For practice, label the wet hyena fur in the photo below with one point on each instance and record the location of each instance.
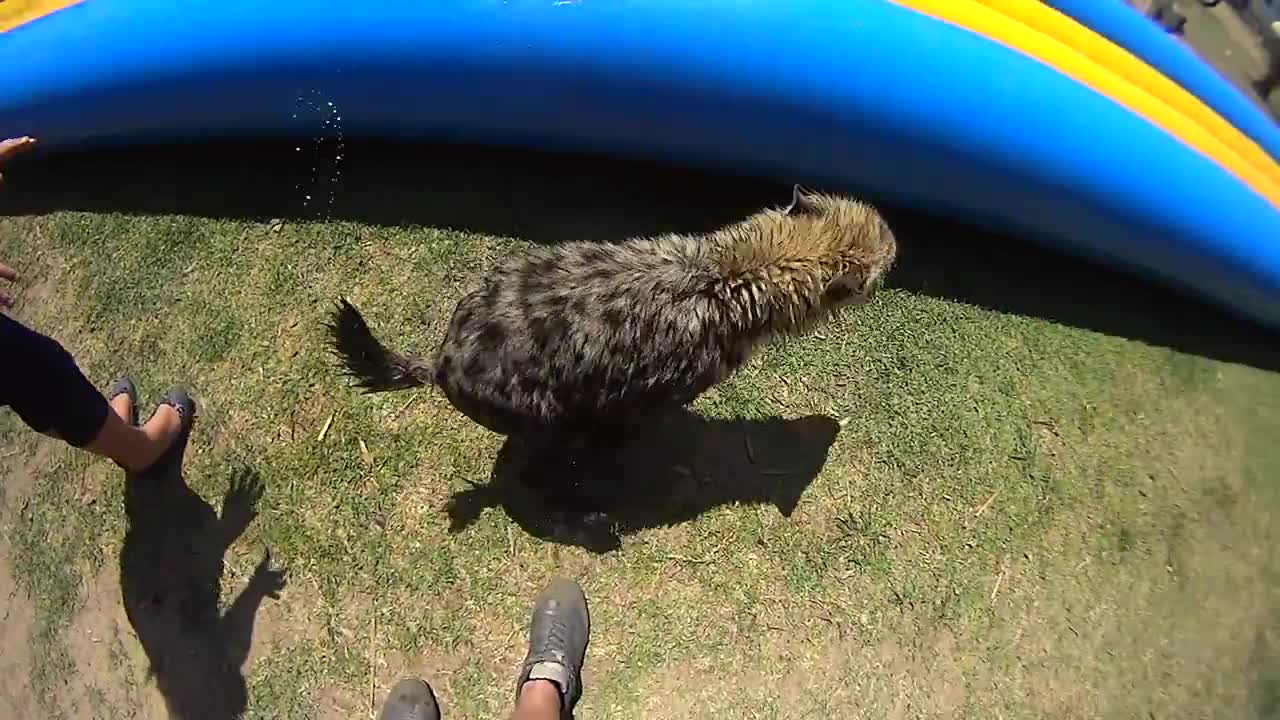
(578, 339)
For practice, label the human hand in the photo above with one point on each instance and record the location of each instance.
(6, 273)
(14, 146)
(9, 148)
(268, 578)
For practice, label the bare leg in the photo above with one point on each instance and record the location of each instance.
(550, 680)
(43, 384)
(539, 700)
(64, 403)
(135, 448)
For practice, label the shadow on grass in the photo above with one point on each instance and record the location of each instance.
(511, 193)
(668, 473)
(551, 198)
(952, 261)
(171, 569)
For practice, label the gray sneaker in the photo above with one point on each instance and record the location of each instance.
(558, 636)
(410, 699)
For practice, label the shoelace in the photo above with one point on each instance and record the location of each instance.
(557, 638)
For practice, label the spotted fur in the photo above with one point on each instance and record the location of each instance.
(586, 335)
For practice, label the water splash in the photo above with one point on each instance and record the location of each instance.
(328, 150)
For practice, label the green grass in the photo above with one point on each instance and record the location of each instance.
(1018, 517)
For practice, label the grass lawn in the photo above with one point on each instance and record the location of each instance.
(1015, 486)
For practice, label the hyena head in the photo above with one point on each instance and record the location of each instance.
(852, 242)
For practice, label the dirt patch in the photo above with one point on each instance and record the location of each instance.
(436, 667)
(111, 671)
(283, 622)
(364, 700)
(41, 281)
(20, 477)
(17, 699)
(35, 295)
(340, 703)
(112, 675)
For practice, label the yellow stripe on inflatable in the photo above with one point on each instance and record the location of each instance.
(1219, 141)
(14, 13)
(1038, 16)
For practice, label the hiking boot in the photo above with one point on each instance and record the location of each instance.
(410, 699)
(558, 636)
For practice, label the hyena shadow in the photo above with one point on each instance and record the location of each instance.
(171, 569)
(668, 472)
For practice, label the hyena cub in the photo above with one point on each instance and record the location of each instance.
(575, 340)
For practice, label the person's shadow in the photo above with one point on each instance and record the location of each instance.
(171, 570)
(666, 473)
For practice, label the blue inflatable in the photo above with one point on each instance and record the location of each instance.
(868, 96)
(1148, 41)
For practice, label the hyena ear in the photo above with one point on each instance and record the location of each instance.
(800, 203)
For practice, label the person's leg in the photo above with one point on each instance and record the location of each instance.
(41, 382)
(136, 448)
(550, 680)
(538, 700)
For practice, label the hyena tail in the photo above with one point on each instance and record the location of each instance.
(374, 367)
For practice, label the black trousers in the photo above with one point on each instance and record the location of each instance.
(40, 381)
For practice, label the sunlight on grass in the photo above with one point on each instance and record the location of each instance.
(1012, 510)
